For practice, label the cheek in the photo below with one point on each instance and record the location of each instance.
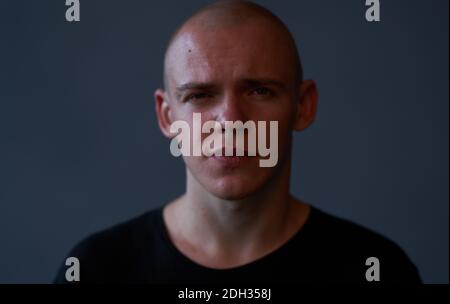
(180, 113)
(281, 108)
(185, 112)
(284, 115)
(285, 118)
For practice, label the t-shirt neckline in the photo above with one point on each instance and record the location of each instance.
(300, 234)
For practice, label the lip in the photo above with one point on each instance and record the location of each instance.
(231, 161)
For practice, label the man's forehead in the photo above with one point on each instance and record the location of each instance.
(242, 53)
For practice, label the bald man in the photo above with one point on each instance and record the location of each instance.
(237, 221)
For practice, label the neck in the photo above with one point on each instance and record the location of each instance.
(235, 221)
(245, 227)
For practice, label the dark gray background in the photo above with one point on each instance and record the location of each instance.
(81, 150)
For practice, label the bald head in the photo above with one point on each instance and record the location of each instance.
(231, 16)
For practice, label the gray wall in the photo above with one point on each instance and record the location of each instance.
(80, 149)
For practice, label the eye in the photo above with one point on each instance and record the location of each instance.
(261, 91)
(197, 96)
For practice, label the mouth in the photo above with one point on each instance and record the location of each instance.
(232, 161)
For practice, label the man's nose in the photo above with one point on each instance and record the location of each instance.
(232, 108)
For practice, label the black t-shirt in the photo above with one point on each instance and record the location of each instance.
(326, 249)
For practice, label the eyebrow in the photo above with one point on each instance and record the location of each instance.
(196, 86)
(263, 81)
(246, 81)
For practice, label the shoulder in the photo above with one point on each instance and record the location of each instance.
(346, 231)
(113, 251)
(353, 246)
(120, 236)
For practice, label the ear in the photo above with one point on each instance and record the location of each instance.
(163, 112)
(307, 107)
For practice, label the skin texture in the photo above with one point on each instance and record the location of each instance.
(232, 61)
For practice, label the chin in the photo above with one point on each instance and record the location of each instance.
(234, 187)
(230, 183)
